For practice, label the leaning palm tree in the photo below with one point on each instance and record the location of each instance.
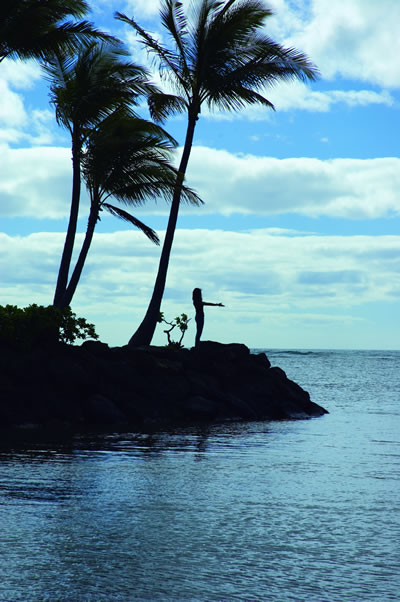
(40, 28)
(86, 89)
(220, 57)
(127, 158)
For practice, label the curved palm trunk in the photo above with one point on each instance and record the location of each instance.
(76, 274)
(63, 271)
(145, 332)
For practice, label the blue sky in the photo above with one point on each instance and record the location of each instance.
(299, 235)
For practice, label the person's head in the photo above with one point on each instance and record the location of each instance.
(196, 295)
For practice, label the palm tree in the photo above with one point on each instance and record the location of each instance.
(86, 89)
(126, 158)
(220, 57)
(39, 28)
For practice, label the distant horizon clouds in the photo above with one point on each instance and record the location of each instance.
(258, 275)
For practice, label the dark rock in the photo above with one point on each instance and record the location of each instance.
(95, 385)
(201, 408)
(262, 360)
(214, 350)
(100, 410)
(96, 348)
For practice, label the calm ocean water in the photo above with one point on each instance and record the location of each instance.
(292, 510)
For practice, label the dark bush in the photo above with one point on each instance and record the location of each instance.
(37, 325)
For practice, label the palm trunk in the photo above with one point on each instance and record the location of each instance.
(76, 274)
(63, 271)
(145, 332)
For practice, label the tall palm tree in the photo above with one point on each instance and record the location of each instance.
(40, 28)
(220, 57)
(126, 158)
(86, 89)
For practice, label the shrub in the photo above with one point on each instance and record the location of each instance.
(38, 325)
(181, 322)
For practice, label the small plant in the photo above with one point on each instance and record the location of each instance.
(181, 322)
(37, 325)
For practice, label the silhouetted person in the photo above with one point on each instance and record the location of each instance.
(199, 317)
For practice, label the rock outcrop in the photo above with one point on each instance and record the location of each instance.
(93, 385)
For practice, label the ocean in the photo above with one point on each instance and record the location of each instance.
(304, 510)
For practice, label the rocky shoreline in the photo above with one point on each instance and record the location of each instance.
(94, 385)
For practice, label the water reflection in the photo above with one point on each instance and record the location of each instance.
(304, 511)
(40, 446)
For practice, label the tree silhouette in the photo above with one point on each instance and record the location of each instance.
(220, 56)
(85, 89)
(126, 158)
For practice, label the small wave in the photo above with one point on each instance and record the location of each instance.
(283, 352)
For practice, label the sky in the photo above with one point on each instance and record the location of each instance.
(299, 234)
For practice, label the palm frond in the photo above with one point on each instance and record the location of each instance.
(224, 8)
(127, 217)
(240, 62)
(174, 20)
(71, 36)
(129, 158)
(238, 98)
(88, 87)
(199, 52)
(167, 59)
(32, 29)
(162, 105)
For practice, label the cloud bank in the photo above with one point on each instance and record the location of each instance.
(36, 182)
(311, 284)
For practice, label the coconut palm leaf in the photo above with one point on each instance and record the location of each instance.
(127, 217)
(174, 20)
(88, 87)
(41, 29)
(129, 158)
(162, 105)
(168, 60)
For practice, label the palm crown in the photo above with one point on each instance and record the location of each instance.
(220, 56)
(129, 158)
(86, 88)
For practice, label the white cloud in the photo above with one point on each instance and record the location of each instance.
(277, 286)
(142, 8)
(36, 182)
(361, 98)
(12, 111)
(21, 75)
(15, 75)
(296, 95)
(356, 39)
(352, 188)
(19, 120)
(42, 121)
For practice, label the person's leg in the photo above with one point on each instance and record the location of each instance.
(199, 327)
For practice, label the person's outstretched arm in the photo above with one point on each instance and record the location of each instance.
(214, 304)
